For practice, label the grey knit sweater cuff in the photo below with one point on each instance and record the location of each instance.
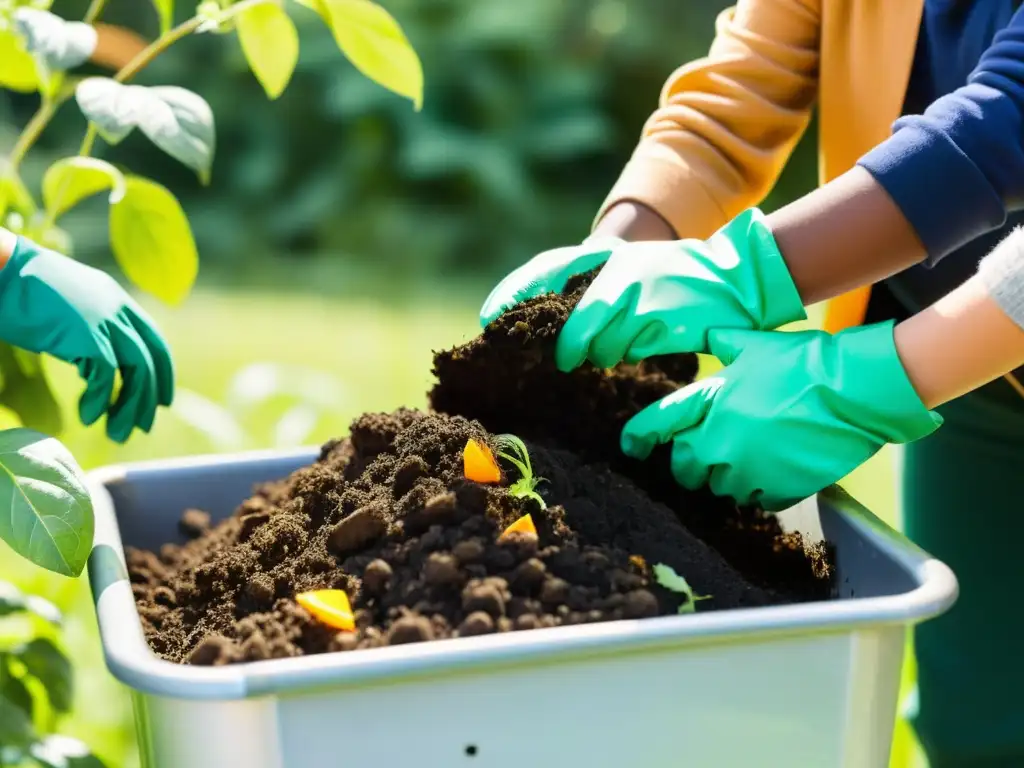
(1002, 272)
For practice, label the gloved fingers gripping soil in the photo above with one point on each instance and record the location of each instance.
(506, 379)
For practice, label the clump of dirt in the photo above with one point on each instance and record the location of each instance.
(506, 378)
(387, 515)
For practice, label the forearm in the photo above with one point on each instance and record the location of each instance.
(843, 235)
(962, 342)
(725, 124)
(942, 179)
(634, 222)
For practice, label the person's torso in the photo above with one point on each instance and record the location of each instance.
(953, 36)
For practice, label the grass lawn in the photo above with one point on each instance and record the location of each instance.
(375, 356)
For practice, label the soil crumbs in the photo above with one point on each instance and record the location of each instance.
(387, 515)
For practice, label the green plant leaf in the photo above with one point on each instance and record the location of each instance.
(270, 43)
(14, 195)
(69, 181)
(113, 107)
(14, 689)
(63, 752)
(13, 600)
(667, 577)
(374, 42)
(44, 661)
(152, 240)
(58, 43)
(181, 124)
(25, 390)
(15, 726)
(17, 67)
(177, 120)
(165, 10)
(45, 510)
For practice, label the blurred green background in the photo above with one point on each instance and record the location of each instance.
(345, 236)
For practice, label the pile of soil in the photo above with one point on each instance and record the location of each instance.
(387, 515)
(506, 378)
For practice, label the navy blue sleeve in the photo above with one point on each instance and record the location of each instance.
(958, 169)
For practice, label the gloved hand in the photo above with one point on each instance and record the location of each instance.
(662, 298)
(50, 303)
(790, 414)
(547, 272)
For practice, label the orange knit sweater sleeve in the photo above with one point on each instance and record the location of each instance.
(726, 124)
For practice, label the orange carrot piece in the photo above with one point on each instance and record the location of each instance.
(638, 561)
(329, 606)
(523, 525)
(478, 463)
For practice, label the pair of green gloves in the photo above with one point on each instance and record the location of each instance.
(788, 415)
(50, 303)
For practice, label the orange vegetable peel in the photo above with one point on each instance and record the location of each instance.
(478, 463)
(523, 525)
(329, 606)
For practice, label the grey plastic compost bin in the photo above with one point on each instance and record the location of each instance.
(796, 686)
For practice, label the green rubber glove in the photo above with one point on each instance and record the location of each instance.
(547, 272)
(662, 298)
(790, 414)
(50, 303)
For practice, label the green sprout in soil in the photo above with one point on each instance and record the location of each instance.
(673, 582)
(513, 450)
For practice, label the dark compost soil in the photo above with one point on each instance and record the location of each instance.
(387, 515)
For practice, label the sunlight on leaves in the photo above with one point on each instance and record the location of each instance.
(60, 44)
(165, 10)
(374, 42)
(152, 240)
(177, 120)
(270, 43)
(69, 181)
(47, 514)
(17, 67)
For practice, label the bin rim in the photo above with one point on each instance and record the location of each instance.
(131, 660)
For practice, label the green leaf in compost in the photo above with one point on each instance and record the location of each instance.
(15, 726)
(69, 181)
(374, 42)
(60, 44)
(177, 120)
(63, 752)
(673, 582)
(270, 43)
(165, 10)
(45, 510)
(152, 240)
(25, 390)
(45, 662)
(17, 67)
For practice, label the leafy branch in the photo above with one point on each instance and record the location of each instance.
(178, 121)
(36, 687)
(150, 235)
